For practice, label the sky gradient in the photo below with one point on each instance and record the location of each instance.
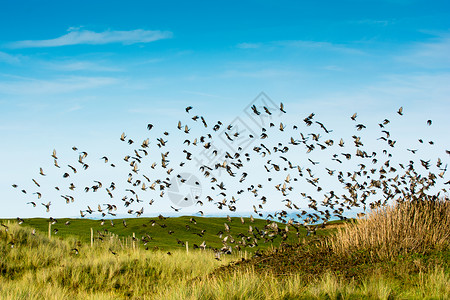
(81, 73)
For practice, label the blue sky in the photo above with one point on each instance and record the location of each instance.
(78, 73)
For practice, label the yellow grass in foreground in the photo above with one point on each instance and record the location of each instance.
(406, 227)
(39, 268)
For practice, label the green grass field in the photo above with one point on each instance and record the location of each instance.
(158, 230)
(401, 252)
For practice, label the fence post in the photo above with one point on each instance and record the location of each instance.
(92, 237)
(134, 243)
(49, 230)
(187, 247)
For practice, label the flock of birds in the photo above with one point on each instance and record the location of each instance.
(375, 179)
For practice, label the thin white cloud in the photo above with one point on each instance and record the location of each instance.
(260, 73)
(8, 58)
(74, 108)
(301, 44)
(318, 45)
(87, 37)
(332, 68)
(32, 86)
(202, 94)
(174, 112)
(372, 22)
(432, 54)
(81, 66)
(249, 45)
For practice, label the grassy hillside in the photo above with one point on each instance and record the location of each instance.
(400, 252)
(159, 229)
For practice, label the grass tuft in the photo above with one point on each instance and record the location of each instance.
(406, 227)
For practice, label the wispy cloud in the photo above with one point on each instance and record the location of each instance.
(332, 68)
(432, 54)
(318, 45)
(74, 108)
(204, 94)
(416, 87)
(173, 112)
(81, 66)
(249, 45)
(260, 73)
(301, 44)
(87, 37)
(8, 58)
(32, 86)
(372, 22)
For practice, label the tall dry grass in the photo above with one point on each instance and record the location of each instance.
(253, 285)
(40, 268)
(35, 267)
(406, 227)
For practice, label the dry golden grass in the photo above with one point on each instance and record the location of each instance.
(35, 267)
(405, 227)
